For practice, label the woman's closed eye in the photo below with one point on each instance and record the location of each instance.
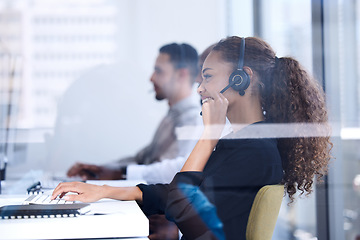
(206, 77)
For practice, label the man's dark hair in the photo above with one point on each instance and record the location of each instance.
(182, 56)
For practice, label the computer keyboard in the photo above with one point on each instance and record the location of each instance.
(49, 184)
(45, 199)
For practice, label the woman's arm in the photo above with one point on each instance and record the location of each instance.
(201, 153)
(214, 118)
(92, 193)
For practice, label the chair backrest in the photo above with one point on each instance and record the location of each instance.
(264, 212)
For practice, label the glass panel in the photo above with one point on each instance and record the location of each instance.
(349, 107)
(287, 26)
(342, 83)
(240, 18)
(77, 75)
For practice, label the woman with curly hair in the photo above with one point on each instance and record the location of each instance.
(246, 82)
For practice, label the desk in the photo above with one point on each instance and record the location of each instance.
(121, 219)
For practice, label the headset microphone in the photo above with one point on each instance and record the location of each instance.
(228, 86)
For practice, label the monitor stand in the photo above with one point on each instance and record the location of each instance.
(3, 163)
(2, 174)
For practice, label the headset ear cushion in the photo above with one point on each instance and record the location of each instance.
(242, 80)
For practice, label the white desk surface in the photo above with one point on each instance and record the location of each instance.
(120, 219)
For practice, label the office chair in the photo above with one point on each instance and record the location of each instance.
(264, 212)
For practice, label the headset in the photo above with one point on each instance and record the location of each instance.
(239, 80)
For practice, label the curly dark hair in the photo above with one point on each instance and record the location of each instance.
(289, 95)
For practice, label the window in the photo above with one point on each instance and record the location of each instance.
(287, 26)
(341, 32)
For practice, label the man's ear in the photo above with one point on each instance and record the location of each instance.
(183, 73)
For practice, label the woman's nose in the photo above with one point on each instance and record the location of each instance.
(200, 89)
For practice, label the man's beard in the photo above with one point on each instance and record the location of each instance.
(159, 97)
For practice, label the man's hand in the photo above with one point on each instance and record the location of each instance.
(94, 172)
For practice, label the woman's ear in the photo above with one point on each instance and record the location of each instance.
(248, 71)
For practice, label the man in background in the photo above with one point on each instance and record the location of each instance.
(175, 71)
(160, 228)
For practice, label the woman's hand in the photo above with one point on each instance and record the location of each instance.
(92, 193)
(214, 111)
(85, 192)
